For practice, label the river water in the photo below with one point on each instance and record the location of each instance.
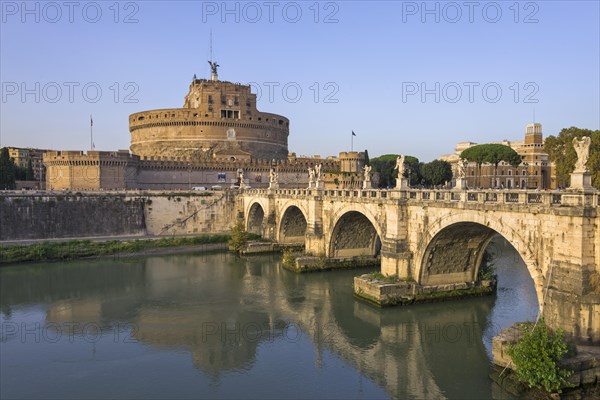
(220, 326)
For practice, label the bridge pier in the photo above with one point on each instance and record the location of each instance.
(315, 244)
(396, 259)
(315, 238)
(571, 303)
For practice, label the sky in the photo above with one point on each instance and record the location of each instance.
(407, 77)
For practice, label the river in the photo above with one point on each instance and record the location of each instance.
(221, 326)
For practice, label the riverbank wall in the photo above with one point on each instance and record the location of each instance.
(45, 215)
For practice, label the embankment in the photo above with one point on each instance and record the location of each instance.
(46, 215)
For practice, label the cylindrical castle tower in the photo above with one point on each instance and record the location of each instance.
(218, 120)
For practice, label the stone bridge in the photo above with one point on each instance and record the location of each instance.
(437, 237)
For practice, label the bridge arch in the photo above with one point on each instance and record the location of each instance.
(255, 220)
(292, 225)
(354, 232)
(451, 250)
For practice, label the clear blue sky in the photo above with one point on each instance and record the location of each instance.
(374, 58)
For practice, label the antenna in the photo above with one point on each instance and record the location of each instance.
(213, 65)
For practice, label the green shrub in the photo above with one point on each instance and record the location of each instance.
(289, 258)
(486, 269)
(536, 356)
(239, 237)
(86, 248)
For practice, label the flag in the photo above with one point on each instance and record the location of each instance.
(93, 145)
(353, 134)
(91, 121)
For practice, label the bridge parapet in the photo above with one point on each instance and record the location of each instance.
(552, 199)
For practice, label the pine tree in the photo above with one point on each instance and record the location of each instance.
(7, 170)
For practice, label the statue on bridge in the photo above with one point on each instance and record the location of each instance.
(582, 148)
(241, 179)
(311, 177)
(461, 168)
(401, 181)
(273, 179)
(367, 177)
(400, 166)
(318, 168)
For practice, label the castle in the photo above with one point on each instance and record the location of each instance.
(217, 135)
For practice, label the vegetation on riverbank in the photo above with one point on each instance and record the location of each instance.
(68, 250)
(536, 357)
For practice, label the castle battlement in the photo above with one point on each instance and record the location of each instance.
(218, 119)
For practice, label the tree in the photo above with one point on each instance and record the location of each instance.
(239, 237)
(29, 176)
(536, 356)
(7, 170)
(560, 151)
(436, 172)
(491, 154)
(385, 165)
(412, 171)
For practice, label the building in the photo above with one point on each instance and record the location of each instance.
(534, 172)
(22, 156)
(219, 120)
(216, 136)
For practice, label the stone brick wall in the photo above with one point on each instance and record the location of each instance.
(88, 214)
(69, 215)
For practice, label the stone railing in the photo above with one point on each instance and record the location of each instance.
(450, 196)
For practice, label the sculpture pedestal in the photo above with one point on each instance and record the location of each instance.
(320, 184)
(367, 185)
(581, 181)
(402, 183)
(273, 185)
(461, 184)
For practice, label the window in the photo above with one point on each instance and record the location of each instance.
(210, 100)
(230, 114)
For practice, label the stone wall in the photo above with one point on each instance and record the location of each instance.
(78, 215)
(69, 215)
(177, 213)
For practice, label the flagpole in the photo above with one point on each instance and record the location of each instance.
(352, 141)
(91, 133)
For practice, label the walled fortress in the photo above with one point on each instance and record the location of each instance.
(216, 135)
(219, 120)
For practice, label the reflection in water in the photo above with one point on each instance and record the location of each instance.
(127, 328)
